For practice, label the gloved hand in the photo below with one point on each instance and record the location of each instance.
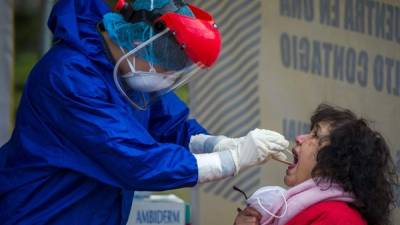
(230, 155)
(203, 143)
(256, 147)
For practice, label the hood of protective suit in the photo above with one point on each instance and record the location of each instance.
(74, 23)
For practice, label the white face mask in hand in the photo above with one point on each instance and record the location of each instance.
(267, 200)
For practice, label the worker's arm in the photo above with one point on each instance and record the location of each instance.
(101, 138)
(170, 123)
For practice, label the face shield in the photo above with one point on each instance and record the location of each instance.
(179, 47)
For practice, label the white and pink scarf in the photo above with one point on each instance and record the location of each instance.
(284, 205)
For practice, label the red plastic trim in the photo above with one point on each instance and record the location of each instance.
(120, 4)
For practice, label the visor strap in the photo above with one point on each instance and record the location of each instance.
(135, 16)
(151, 5)
(132, 67)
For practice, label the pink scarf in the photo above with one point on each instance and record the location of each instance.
(301, 197)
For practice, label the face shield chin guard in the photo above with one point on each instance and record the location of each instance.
(182, 47)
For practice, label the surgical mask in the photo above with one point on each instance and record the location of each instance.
(149, 81)
(133, 73)
(269, 199)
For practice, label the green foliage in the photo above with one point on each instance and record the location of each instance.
(183, 93)
(26, 26)
(27, 35)
(24, 62)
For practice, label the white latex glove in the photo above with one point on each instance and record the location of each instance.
(203, 143)
(256, 147)
(231, 155)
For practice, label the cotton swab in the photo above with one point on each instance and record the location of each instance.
(282, 161)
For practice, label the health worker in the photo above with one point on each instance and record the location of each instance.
(98, 118)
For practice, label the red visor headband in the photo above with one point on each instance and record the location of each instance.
(198, 36)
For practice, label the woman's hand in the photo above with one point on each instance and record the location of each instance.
(248, 216)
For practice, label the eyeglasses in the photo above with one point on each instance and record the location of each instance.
(242, 192)
(239, 190)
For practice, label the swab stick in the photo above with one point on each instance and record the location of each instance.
(282, 161)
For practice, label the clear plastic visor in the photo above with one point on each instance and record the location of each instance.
(152, 69)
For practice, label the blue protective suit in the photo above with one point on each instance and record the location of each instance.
(79, 149)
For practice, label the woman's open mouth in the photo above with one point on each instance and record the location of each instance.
(295, 160)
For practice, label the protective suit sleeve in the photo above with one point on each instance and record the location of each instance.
(169, 121)
(203, 143)
(215, 166)
(100, 139)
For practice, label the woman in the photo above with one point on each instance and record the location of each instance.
(342, 174)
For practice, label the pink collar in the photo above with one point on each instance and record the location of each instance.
(303, 196)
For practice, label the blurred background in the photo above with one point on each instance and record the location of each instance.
(28, 17)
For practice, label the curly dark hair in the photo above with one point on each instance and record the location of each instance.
(358, 158)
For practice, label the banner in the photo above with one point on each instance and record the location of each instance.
(6, 67)
(280, 59)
